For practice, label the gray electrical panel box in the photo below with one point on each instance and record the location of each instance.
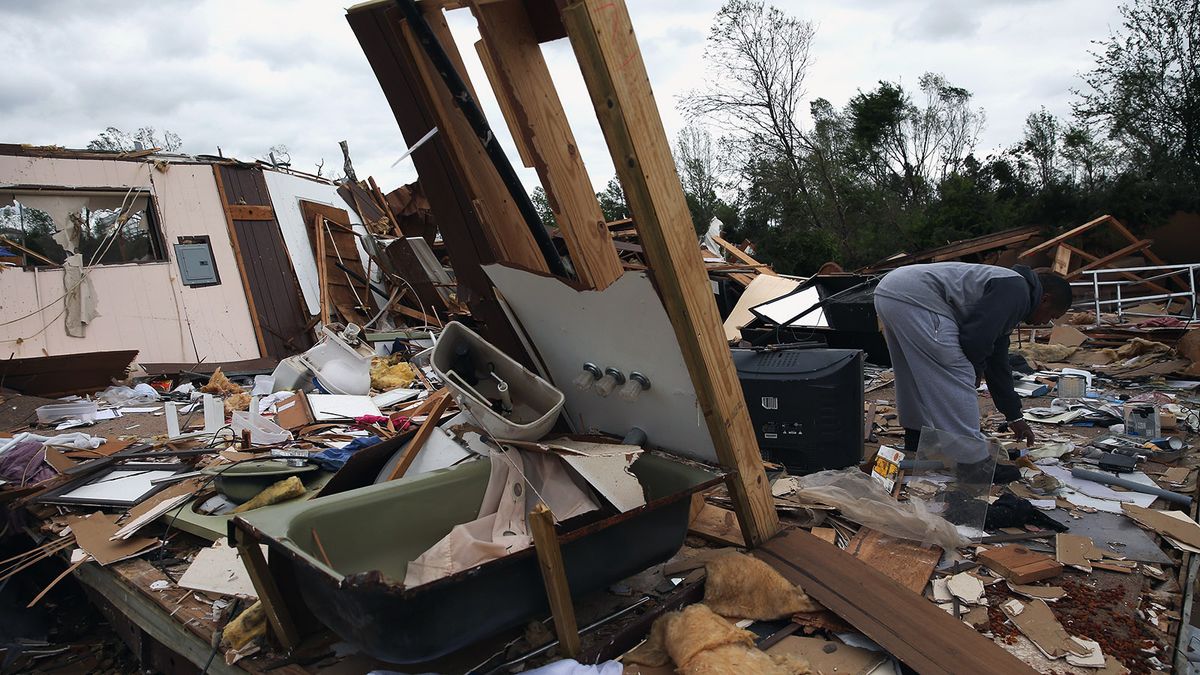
(196, 264)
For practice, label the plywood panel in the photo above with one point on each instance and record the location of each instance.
(274, 292)
(286, 193)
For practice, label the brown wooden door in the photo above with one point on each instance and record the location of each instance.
(277, 309)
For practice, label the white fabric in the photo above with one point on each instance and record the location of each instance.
(75, 441)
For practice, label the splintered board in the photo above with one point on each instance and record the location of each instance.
(919, 633)
(907, 562)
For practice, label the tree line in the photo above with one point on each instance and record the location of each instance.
(895, 169)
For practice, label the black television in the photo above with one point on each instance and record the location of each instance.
(806, 404)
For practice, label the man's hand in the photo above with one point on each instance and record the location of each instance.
(1021, 430)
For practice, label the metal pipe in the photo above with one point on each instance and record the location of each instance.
(470, 110)
(1108, 479)
(1145, 268)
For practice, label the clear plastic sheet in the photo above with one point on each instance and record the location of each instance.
(860, 499)
(965, 465)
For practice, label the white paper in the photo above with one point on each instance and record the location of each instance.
(119, 485)
(337, 406)
(149, 409)
(1083, 492)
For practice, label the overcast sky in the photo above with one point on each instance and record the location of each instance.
(248, 74)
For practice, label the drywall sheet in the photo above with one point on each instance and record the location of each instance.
(623, 327)
(286, 192)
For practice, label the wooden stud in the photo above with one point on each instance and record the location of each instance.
(602, 36)
(437, 405)
(742, 256)
(554, 577)
(322, 265)
(1127, 275)
(278, 614)
(1111, 257)
(523, 80)
(507, 231)
(241, 264)
(508, 107)
(250, 212)
(1069, 234)
(1062, 260)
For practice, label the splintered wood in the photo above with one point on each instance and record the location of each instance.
(907, 562)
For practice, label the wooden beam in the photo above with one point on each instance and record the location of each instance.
(278, 615)
(554, 577)
(322, 267)
(1127, 275)
(507, 105)
(436, 408)
(241, 264)
(504, 226)
(742, 256)
(1062, 260)
(1111, 257)
(1069, 234)
(250, 212)
(443, 180)
(538, 116)
(919, 633)
(602, 36)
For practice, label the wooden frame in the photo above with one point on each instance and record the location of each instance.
(602, 37)
(1065, 252)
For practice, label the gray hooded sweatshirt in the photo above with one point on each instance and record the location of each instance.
(987, 302)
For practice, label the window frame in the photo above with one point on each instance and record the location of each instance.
(154, 229)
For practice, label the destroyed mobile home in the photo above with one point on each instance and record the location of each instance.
(343, 430)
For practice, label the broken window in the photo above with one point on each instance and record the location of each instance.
(106, 227)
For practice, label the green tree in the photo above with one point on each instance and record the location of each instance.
(699, 173)
(1144, 89)
(542, 203)
(612, 201)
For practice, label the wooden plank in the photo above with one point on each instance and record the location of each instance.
(919, 633)
(1126, 275)
(318, 227)
(524, 80)
(1069, 234)
(554, 577)
(241, 263)
(250, 212)
(602, 37)
(1111, 257)
(269, 595)
(337, 245)
(1062, 260)
(717, 524)
(907, 562)
(506, 229)
(742, 256)
(435, 410)
(508, 107)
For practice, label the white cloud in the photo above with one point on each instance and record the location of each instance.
(248, 75)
